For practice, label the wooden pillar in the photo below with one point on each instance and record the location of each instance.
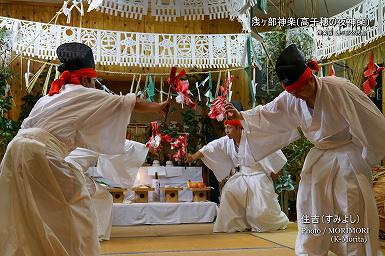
(383, 101)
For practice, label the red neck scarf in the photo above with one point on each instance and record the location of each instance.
(68, 77)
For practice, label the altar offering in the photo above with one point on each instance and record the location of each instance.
(141, 193)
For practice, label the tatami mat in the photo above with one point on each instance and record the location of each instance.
(243, 252)
(192, 239)
(197, 239)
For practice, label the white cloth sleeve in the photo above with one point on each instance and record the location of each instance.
(82, 159)
(123, 168)
(217, 159)
(273, 163)
(270, 127)
(367, 123)
(104, 130)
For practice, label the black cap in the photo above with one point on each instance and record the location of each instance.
(74, 56)
(237, 105)
(290, 65)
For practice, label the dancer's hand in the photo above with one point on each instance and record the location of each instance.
(188, 158)
(229, 107)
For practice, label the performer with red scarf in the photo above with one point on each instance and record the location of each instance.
(336, 209)
(248, 199)
(46, 208)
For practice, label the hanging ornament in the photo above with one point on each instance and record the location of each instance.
(217, 109)
(331, 70)
(181, 145)
(27, 74)
(156, 139)
(132, 84)
(218, 84)
(46, 82)
(371, 74)
(150, 90)
(94, 4)
(161, 89)
(67, 10)
(180, 87)
(138, 85)
(32, 83)
(209, 94)
(285, 182)
(229, 81)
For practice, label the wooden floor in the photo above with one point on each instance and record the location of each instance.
(197, 239)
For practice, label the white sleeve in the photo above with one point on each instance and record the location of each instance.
(103, 128)
(123, 168)
(217, 159)
(271, 127)
(273, 163)
(82, 158)
(366, 122)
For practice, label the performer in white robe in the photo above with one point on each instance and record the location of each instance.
(46, 208)
(248, 199)
(348, 133)
(120, 169)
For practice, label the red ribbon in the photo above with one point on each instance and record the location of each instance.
(68, 77)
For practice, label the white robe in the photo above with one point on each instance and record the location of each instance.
(348, 133)
(46, 207)
(248, 199)
(121, 169)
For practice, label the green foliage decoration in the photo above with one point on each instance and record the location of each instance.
(8, 127)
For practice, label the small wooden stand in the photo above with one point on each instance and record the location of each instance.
(117, 194)
(172, 194)
(199, 194)
(141, 194)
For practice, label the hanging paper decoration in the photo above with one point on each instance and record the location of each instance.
(199, 50)
(150, 89)
(209, 94)
(138, 85)
(27, 74)
(248, 70)
(229, 80)
(181, 145)
(261, 5)
(180, 87)
(170, 10)
(217, 110)
(371, 74)
(285, 182)
(67, 10)
(94, 4)
(161, 89)
(46, 82)
(218, 84)
(331, 70)
(32, 83)
(132, 84)
(155, 141)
